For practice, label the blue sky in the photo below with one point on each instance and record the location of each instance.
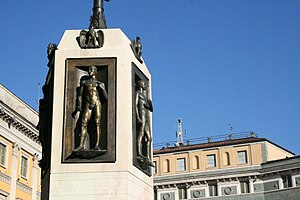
(213, 62)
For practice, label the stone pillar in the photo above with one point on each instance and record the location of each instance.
(294, 184)
(35, 171)
(251, 187)
(206, 189)
(219, 188)
(238, 187)
(280, 182)
(112, 175)
(14, 170)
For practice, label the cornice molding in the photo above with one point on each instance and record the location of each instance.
(14, 120)
(5, 178)
(24, 187)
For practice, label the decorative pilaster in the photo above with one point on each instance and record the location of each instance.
(280, 181)
(251, 187)
(35, 171)
(14, 164)
(219, 188)
(206, 189)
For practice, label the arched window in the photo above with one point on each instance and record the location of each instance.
(226, 159)
(166, 166)
(195, 162)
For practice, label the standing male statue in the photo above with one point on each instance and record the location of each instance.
(143, 105)
(88, 103)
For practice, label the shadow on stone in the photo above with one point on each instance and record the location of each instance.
(86, 154)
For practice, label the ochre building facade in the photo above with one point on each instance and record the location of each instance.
(228, 169)
(20, 149)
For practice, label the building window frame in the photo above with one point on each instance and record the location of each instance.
(181, 164)
(3, 195)
(182, 192)
(166, 166)
(4, 146)
(226, 159)
(213, 189)
(196, 162)
(287, 180)
(245, 186)
(242, 157)
(26, 170)
(211, 161)
(155, 167)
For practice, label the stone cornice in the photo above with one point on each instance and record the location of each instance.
(24, 187)
(15, 120)
(4, 178)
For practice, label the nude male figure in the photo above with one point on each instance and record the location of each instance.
(93, 89)
(143, 105)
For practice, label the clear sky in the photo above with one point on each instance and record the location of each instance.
(213, 62)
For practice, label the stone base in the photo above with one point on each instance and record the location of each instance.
(95, 186)
(86, 154)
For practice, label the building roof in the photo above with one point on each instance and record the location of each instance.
(213, 144)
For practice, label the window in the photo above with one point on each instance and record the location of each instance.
(182, 193)
(196, 162)
(3, 152)
(244, 186)
(166, 166)
(213, 189)
(211, 161)
(24, 166)
(181, 164)
(287, 181)
(155, 194)
(155, 167)
(3, 197)
(242, 157)
(226, 159)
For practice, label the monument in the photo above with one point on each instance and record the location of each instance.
(95, 116)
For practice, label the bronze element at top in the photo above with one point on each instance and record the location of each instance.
(98, 18)
(136, 47)
(92, 39)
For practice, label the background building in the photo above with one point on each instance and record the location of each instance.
(232, 167)
(20, 149)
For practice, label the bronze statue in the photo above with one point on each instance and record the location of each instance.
(91, 38)
(90, 105)
(143, 105)
(45, 112)
(136, 47)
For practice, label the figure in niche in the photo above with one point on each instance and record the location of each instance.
(143, 105)
(90, 97)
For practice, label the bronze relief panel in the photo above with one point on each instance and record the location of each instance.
(141, 121)
(90, 111)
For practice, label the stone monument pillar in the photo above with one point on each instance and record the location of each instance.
(95, 118)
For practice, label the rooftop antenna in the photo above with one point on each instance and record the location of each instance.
(179, 133)
(230, 128)
(230, 131)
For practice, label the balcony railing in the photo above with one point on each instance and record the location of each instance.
(202, 140)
